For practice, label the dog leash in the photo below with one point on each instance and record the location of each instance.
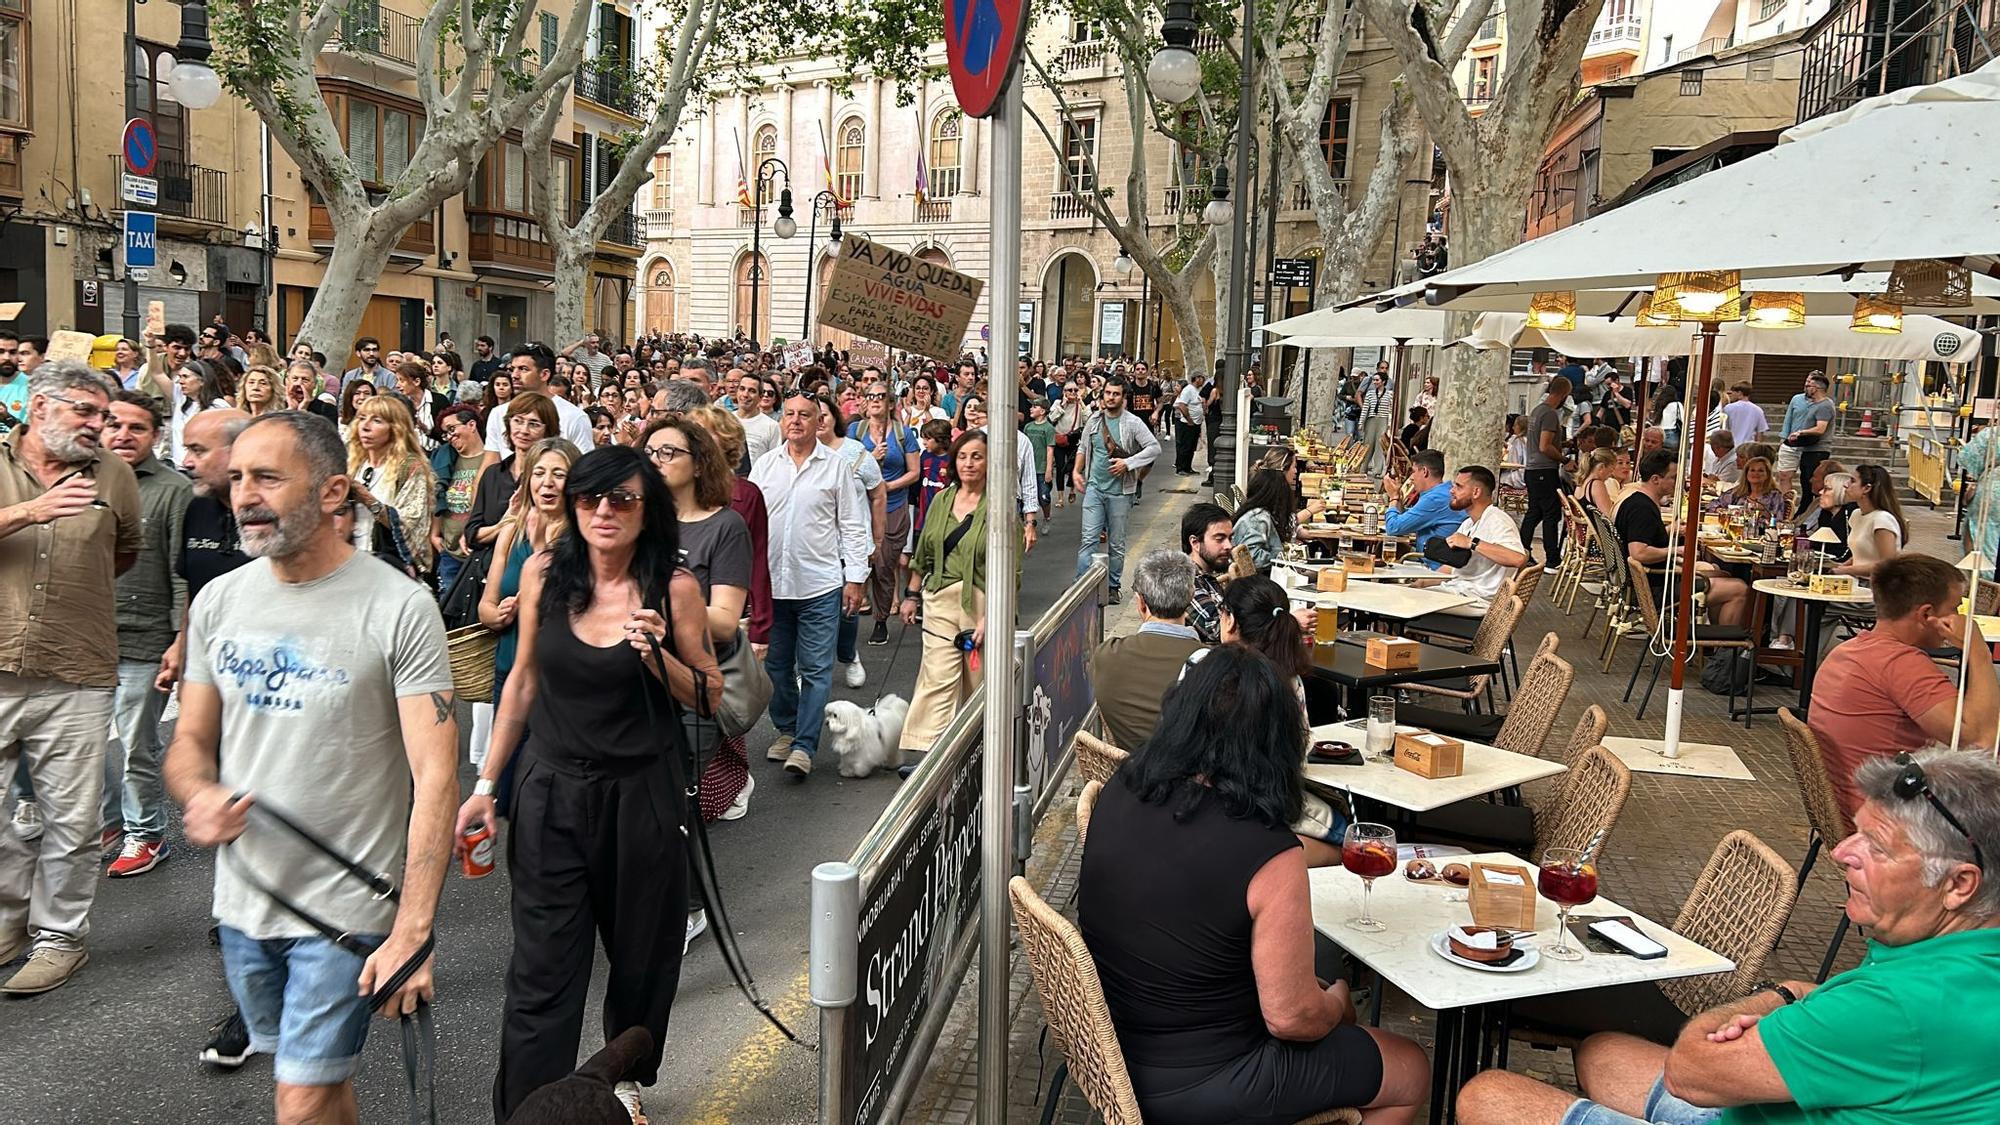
(419, 1036)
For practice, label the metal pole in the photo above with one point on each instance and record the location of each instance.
(131, 317)
(833, 974)
(1695, 436)
(1003, 523)
(812, 251)
(756, 254)
(1234, 465)
(1272, 312)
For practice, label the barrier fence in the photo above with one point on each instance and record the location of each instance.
(895, 926)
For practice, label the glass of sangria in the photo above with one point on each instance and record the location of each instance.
(1567, 881)
(1368, 850)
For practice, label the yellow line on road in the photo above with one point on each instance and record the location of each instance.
(757, 1057)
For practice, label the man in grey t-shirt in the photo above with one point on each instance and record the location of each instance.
(318, 677)
(1544, 472)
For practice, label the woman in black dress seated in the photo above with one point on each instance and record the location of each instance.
(1195, 905)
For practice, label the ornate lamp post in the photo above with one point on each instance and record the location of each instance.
(830, 203)
(768, 171)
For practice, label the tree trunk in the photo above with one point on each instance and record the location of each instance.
(1179, 299)
(1472, 406)
(572, 282)
(360, 251)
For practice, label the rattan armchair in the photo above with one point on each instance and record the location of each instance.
(1829, 825)
(1531, 714)
(1738, 908)
(1072, 999)
(1096, 759)
(1086, 803)
(1488, 643)
(1592, 795)
(1702, 638)
(1589, 732)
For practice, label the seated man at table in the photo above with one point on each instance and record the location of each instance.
(1880, 692)
(1206, 531)
(1907, 1037)
(1430, 514)
(1643, 530)
(1723, 462)
(1195, 903)
(1494, 542)
(1131, 673)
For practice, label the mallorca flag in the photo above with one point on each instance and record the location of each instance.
(742, 184)
(826, 163)
(923, 171)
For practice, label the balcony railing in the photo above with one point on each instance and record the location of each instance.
(659, 222)
(1208, 43)
(382, 32)
(1705, 47)
(188, 191)
(1615, 30)
(746, 216)
(1186, 199)
(1069, 205)
(623, 230)
(1478, 98)
(612, 89)
(933, 211)
(1300, 197)
(1079, 56)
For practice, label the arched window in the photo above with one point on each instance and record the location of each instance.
(850, 153)
(766, 143)
(945, 163)
(759, 293)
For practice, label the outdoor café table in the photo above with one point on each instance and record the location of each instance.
(1472, 1005)
(1390, 572)
(1345, 664)
(1382, 599)
(1488, 769)
(1815, 614)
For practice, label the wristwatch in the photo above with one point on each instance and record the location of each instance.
(484, 787)
(1785, 994)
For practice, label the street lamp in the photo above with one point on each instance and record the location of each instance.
(1122, 263)
(830, 203)
(192, 82)
(768, 171)
(1217, 211)
(1175, 72)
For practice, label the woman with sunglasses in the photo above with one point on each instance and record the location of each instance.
(1066, 419)
(613, 643)
(895, 449)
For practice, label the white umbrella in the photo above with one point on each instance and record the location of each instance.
(1825, 295)
(1364, 326)
(1922, 338)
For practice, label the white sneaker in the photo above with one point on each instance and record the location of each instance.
(697, 925)
(27, 821)
(740, 807)
(857, 676)
(628, 1096)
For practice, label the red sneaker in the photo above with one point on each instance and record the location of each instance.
(138, 857)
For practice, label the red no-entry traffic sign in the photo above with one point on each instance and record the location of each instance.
(983, 41)
(141, 147)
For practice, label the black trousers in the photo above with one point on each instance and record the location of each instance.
(1187, 435)
(596, 853)
(1545, 508)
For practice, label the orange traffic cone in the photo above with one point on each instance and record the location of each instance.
(1867, 424)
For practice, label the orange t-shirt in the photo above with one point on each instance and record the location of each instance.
(1865, 698)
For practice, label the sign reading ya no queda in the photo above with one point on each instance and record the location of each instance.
(899, 299)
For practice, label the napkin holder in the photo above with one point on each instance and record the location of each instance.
(1837, 585)
(1359, 562)
(1501, 895)
(1393, 653)
(1431, 755)
(1332, 580)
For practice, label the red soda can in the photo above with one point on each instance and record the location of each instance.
(478, 861)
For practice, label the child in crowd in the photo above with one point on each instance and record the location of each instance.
(1042, 434)
(936, 458)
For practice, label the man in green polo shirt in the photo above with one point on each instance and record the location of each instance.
(1908, 1036)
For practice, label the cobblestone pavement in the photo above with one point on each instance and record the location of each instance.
(1665, 834)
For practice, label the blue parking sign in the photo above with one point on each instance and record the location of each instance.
(142, 232)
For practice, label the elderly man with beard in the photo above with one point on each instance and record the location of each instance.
(69, 525)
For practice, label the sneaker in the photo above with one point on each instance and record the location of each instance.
(27, 821)
(1114, 595)
(697, 925)
(857, 676)
(48, 968)
(1549, 570)
(780, 746)
(881, 634)
(799, 762)
(110, 843)
(1782, 644)
(740, 807)
(138, 857)
(228, 1042)
(628, 1096)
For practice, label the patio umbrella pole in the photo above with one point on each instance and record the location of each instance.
(1694, 434)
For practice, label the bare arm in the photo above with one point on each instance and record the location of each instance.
(1887, 544)
(430, 741)
(1720, 1060)
(690, 650)
(1295, 1007)
(725, 611)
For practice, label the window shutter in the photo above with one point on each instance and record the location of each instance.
(361, 148)
(551, 36)
(395, 145)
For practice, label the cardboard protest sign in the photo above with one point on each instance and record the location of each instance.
(899, 299)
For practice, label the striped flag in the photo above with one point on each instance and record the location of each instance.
(742, 183)
(826, 164)
(923, 170)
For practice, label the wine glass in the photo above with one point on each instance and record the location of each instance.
(1368, 850)
(1567, 881)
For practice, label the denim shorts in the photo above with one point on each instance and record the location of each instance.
(1662, 1108)
(298, 999)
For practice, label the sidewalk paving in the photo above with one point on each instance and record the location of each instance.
(1668, 828)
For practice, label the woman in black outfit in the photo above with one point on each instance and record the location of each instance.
(596, 850)
(1194, 902)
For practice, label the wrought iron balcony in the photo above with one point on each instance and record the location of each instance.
(382, 32)
(188, 191)
(611, 88)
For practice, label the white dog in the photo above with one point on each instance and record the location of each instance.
(866, 740)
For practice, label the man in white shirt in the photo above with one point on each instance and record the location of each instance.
(760, 429)
(1492, 537)
(821, 538)
(1744, 419)
(1187, 424)
(530, 366)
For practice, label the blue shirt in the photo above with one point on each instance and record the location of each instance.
(903, 440)
(1795, 414)
(1431, 516)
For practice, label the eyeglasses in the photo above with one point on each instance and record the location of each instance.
(621, 500)
(877, 396)
(667, 454)
(1911, 783)
(88, 411)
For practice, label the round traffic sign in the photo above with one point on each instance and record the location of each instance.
(141, 147)
(983, 41)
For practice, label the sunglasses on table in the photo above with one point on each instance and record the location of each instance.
(1911, 783)
(622, 500)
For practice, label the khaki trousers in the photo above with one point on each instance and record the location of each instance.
(943, 681)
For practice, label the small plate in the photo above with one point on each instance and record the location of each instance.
(1530, 957)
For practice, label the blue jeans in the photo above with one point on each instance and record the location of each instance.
(844, 650)
(800, 664)
(448, 567)
(298, 1001)
(133, 793)
(1662, 1108)
(1104, 512)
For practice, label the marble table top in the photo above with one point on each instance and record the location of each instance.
(1384, 599)
(1414, 911)
(1488, 769)
(1862, 595)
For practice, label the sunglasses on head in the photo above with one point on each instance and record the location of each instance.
(1911, 783)
(622, 500)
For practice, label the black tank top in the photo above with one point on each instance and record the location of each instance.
(590, 703)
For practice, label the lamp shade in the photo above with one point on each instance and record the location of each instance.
(1709, 296)
(1824, 535)
(1876, 315)
(1930, 282)
(1777, 310)
(1553, 312)
(1174, 74)
(1651, 317)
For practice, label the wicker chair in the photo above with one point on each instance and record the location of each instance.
(1072, 999)
(1589, 732)
(1086, 803)
(1495, 630)
(1096, 759)
(1582, 561)
(1738, 908)
(1531, 714)
(1615, 600)
(1593, 793)
(1703, 638)
(1828, 824)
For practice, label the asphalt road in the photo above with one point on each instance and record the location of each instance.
(118, 1043)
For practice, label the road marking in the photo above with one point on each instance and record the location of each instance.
(756, 1058)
